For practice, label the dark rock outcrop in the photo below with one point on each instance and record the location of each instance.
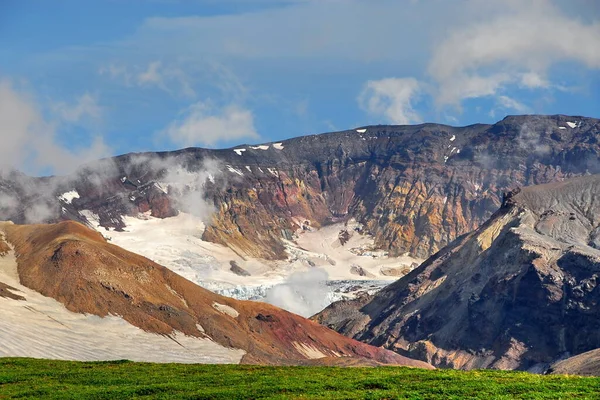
(236, 269)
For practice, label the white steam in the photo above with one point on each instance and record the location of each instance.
(187, 186)
(304, 293)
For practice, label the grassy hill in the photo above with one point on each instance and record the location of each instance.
(29, 378)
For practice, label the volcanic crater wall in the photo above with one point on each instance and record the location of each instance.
(415, 188)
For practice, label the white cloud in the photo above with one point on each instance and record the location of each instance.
(86, 105)
(170, 78)
(516, 46)
(115, 71)
(29, 142)
(512, 104)
(533, 80)
(506, 103)
(151, 75)
(391, 98)
(303, 29)
(204, 125)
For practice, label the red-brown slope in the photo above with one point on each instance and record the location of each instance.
(76, 266)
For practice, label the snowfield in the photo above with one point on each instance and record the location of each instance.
(317, 272)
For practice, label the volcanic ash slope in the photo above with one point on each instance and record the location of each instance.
(519, 292)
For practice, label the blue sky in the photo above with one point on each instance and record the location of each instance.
(86, 79)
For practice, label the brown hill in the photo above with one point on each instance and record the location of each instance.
(518, 293)
(77, 267)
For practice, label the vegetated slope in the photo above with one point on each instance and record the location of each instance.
(124, 380)
(76, 266)
(519, 292)
(415, 188)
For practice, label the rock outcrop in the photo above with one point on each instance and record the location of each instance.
(77, 267)
(415, 188)
(520, 292)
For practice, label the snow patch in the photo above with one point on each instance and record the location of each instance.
(453, 138)
(361, 130)
(235, 170)
(278, 146)
(248, 168)
(68, 197)
(273, 171)
(93, 218)
(261, 147)
(308, 351)
(572, 124)
(457, 151)
(562, 127)
(445, 158)
(123, 179)
(239, 151)
(227, 310)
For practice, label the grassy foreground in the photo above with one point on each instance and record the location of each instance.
(28, 378)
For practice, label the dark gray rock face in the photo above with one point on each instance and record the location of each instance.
(415, 188)
(519, 292)
(236, 269)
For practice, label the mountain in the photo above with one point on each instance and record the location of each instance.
(66, 293)
(519, 292)
(409, 190)
(586, 364)
(414, 187)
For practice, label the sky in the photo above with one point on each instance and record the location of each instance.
(81, 80)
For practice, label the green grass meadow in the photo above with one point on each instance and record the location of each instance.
(35, 379)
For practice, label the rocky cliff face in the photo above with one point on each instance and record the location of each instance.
(519, 292)
(415, 188)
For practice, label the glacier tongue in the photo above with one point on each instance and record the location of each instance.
(297, 297)
(320, 268)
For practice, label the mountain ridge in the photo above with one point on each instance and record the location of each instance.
(519, 292)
